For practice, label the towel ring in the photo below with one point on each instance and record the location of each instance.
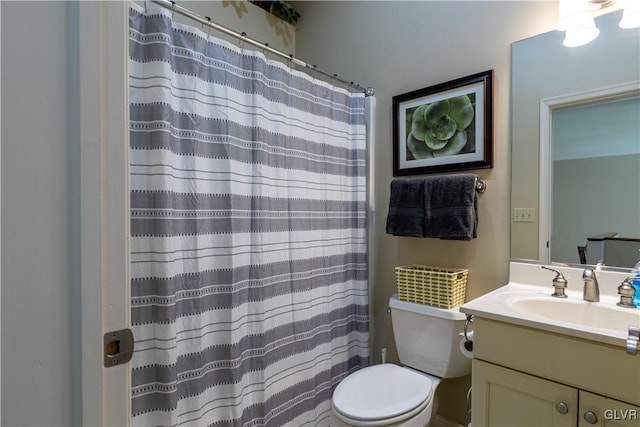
(481, 185)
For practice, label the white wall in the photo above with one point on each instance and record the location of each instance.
(397, 47)
(586, 204)
(41, 384)
(600, 129)
(37, 369)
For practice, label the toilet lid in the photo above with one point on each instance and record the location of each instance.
(381, 391)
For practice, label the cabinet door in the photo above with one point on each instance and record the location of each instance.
(596, 410)
(503, 397)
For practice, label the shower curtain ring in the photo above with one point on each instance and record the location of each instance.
(173, 8)
(208, 27)
(243, 36)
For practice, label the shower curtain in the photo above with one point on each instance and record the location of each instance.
(248, 233)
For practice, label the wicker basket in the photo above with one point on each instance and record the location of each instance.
(435, 286)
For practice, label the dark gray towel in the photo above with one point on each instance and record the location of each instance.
(406, 208)
(451, 207)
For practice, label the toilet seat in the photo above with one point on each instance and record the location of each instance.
(381, 395)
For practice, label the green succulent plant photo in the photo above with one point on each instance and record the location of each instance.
(441, 128)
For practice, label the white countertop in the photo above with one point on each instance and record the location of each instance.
(528, 281)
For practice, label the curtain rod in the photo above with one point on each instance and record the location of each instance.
(169, 4)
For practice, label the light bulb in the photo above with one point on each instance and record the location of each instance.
(576, 19)
(631, 14)
(580, 36)
(564, 11)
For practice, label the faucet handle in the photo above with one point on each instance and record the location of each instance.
(559, 283)
(626, 292)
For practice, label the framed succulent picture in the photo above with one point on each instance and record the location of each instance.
(446, 127)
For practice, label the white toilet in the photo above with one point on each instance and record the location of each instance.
(427, 339)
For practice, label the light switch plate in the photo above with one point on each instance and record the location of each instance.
(524, 215)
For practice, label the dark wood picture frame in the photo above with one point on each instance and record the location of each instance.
(446, 127)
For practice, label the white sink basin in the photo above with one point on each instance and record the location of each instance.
(526, 301)
(589, 314)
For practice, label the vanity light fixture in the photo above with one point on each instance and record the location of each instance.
(575, 17)
(631, 14)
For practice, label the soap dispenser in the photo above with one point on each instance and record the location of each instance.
(636, 284)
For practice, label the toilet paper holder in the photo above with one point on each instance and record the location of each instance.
(468, 342)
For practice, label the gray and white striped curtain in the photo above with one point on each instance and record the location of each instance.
(248, 233)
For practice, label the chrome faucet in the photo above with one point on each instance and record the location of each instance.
(591, 290)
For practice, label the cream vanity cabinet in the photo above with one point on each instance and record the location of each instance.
(525, 376)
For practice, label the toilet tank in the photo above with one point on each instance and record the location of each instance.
(428, 338)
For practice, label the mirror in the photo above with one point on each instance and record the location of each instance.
(547, 79)
(594, 167)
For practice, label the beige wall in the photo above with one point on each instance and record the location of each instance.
(397, 47)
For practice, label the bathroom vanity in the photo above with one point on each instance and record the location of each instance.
(544, 361)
